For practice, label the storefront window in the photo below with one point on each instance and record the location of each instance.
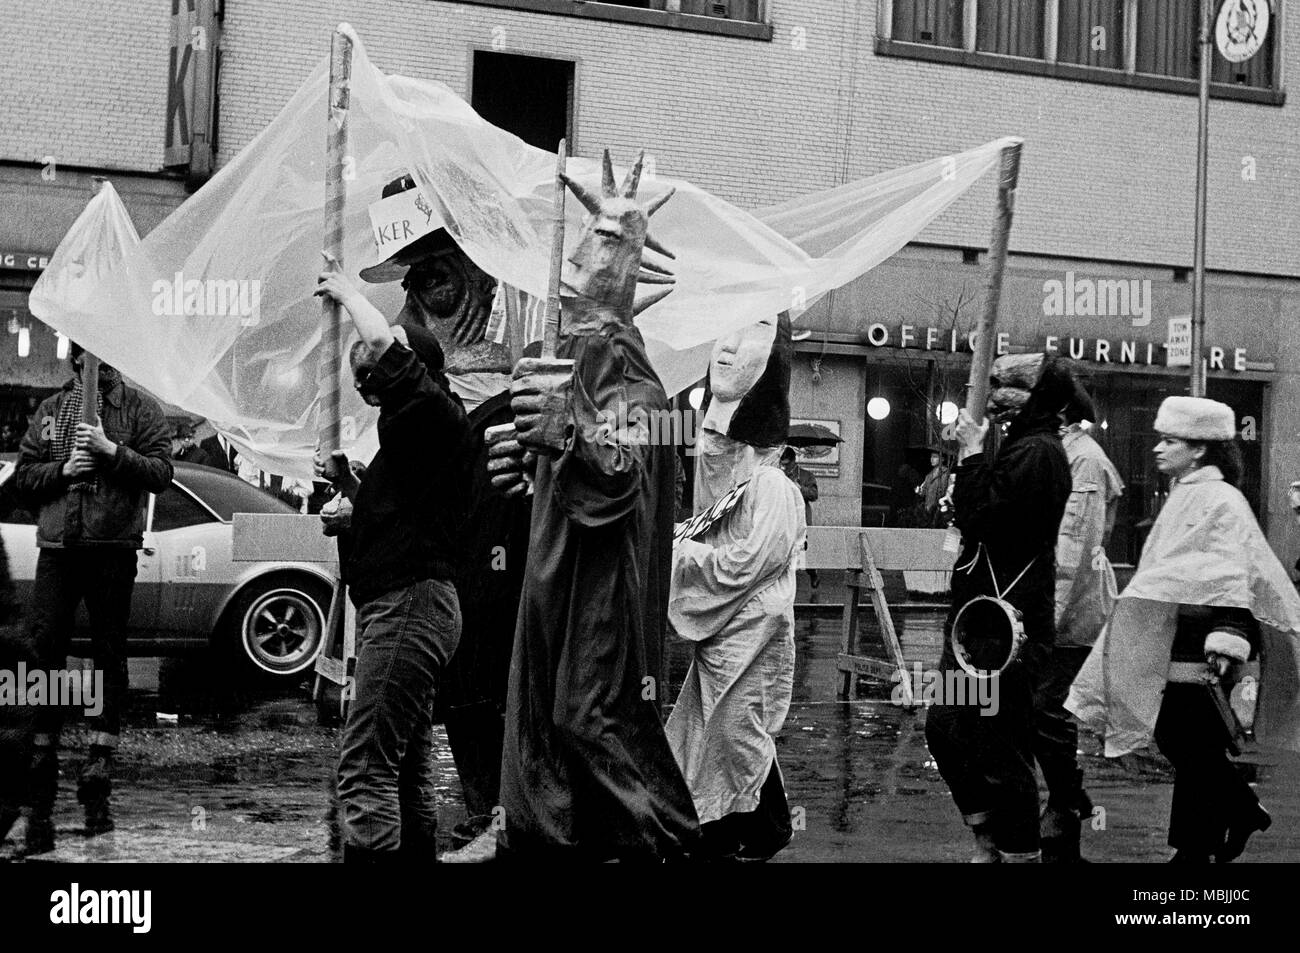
(1127, 405)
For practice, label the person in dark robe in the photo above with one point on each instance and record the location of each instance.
(1009, 507)
(587, 772)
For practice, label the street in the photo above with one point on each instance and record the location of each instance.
(250, 783)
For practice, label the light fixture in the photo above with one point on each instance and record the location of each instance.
(24, 342)
(696, 397)
(61, 349)
(1105, 425)
(878, 408)
(946, 412)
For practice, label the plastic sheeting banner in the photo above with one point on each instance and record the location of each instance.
(213, 311)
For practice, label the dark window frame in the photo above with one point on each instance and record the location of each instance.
(1272, 96)
(594, 10)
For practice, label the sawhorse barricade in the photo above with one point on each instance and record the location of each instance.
(862, 552)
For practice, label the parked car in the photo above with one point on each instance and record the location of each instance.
(189, 593)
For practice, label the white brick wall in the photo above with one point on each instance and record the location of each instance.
(1107, 174)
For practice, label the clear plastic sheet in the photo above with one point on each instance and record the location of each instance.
(256, 230)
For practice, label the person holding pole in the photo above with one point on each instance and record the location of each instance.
(91, 482)
(404, 547)
(1008, 509)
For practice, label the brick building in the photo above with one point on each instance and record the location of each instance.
(760, 102)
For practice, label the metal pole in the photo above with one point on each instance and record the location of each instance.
(1202, 163)
(977, 388)
(336, 189)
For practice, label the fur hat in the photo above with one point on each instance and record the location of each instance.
(1196, 418)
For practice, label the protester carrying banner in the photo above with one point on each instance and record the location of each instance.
(732, 596)
(1009, 511)
(587, 772)
(91, 484)
(1175, 661)
(450, 296)
(403, 550)
(1085, 594)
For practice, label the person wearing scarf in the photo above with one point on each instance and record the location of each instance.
(1209, 599)
(91, 485)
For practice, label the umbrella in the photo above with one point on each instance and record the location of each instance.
(811, 435)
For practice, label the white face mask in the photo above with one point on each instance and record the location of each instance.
(739, 360)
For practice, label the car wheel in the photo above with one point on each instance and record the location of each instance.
(279, 624)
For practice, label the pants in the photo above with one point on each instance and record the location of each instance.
(1056, 734)
(759, 833)
(476, 736)
(17, 722)
(1209, 793)
(987, 760)
(386, 775)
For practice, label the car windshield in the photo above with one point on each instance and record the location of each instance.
(227, 494)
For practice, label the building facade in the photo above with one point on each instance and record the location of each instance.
(760, 102)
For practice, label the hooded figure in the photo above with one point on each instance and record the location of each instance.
(1008, 509)
(1208, 600)
(732, 595)
(587, 773)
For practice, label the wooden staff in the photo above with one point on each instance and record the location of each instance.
(336, 151)
(977, 388)
(551, 329)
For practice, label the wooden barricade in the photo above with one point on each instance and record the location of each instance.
(862, 552)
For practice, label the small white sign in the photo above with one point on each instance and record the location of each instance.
(400, 219)
(1241, 29)
(1179, 342)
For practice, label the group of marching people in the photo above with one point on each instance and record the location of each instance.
(1208, 621)
(513, 564)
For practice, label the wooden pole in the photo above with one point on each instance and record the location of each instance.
(977, 387)
(551, 329)
(336, 150)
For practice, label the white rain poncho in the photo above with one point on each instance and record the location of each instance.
(733, 596)
(1205, 549)
(255, 232)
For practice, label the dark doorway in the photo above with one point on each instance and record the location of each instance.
(531, 96)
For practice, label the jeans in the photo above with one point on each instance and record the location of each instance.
(104, 577)
(1056, 734)
(386, 777)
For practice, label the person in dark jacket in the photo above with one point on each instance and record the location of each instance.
(91, 484)
(1009, 510)
(402, 555)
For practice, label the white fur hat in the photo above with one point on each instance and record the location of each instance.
(1196, 418)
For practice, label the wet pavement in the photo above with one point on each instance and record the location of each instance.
(242, 776)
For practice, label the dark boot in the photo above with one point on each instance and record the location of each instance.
(1059, 832)
(1239, 832)
(43, 786)
(365, 855)
(94, 787)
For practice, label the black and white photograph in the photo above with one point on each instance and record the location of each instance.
(550, 433)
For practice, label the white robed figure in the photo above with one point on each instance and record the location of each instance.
(733, 586)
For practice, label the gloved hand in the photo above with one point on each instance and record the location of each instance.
(540, 391)
(509, 464)
(1224, 648)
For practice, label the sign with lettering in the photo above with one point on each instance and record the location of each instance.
(1178, 347)
(192, 85)
(24, 260)
(1241, 29)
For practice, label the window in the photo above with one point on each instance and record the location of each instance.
(1150, 44)
(174, 508)
(1091, 33)
(938, 22)
(1010, 27)
(531, 96)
